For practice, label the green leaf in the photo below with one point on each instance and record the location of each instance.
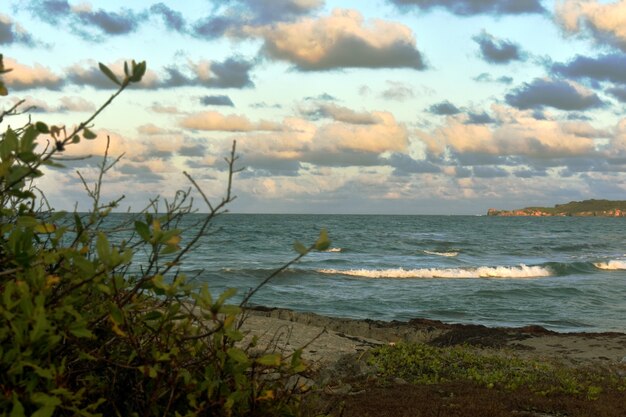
(153, 315)
(10, 139)
(27, 142)
(297, 365)
(237, 355)
(80, 330)
(117, 316)
(229, 293)
(230, 310)
(27, 221)
(109, 73)
(42, 372)
(27, 157)
(138, 71)
(300, 248)
(45, 228)
(48, 402)
(169, 249)
(84, 265)
(104, 289)
(323, 242)
(18, 408)
(234, 335)
(42, 127)
(88, 134)
(52, 163)
(102, 247)
(271, 359)
(45, 411)
(79, 224)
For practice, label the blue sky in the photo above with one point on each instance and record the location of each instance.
(337, 106)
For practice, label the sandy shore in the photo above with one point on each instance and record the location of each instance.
(326, 339)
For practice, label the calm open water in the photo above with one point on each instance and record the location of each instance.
(563, 273)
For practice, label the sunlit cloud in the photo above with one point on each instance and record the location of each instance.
(334, 143)
(24, 77)
(341, 40)
(339, 113)
(604, 22)
(212, 120)
(516, 133)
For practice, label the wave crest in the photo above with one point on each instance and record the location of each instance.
(447, 254)
(611, 265)
(521, 271)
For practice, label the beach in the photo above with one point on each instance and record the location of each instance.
(326, 339)
(335, 349)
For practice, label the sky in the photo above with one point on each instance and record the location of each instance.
(337, 106)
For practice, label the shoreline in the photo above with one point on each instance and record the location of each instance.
(326, 339)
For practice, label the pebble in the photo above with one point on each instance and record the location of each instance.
(299, 383)
(400, 381)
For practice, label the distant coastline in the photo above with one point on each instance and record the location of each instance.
(586, 208)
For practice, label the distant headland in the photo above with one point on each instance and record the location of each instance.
(586, 208)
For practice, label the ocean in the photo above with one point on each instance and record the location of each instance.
(567, 274)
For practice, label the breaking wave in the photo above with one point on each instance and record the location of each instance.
(611, 265)
(334, 250)
(446, 254)
(521, 271)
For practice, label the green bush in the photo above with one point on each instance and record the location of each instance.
(91, 326)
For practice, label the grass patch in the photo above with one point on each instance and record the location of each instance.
(424, 364)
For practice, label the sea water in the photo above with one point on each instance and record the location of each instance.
(563, 273)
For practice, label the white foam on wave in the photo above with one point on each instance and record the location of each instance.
(521, 271)
(447, 254)
(334, 250)
(611, 265)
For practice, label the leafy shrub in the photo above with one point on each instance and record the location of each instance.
(91, 325)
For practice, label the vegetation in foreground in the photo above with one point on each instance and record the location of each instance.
(424, 364)
(424, 380)
(96, 326)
